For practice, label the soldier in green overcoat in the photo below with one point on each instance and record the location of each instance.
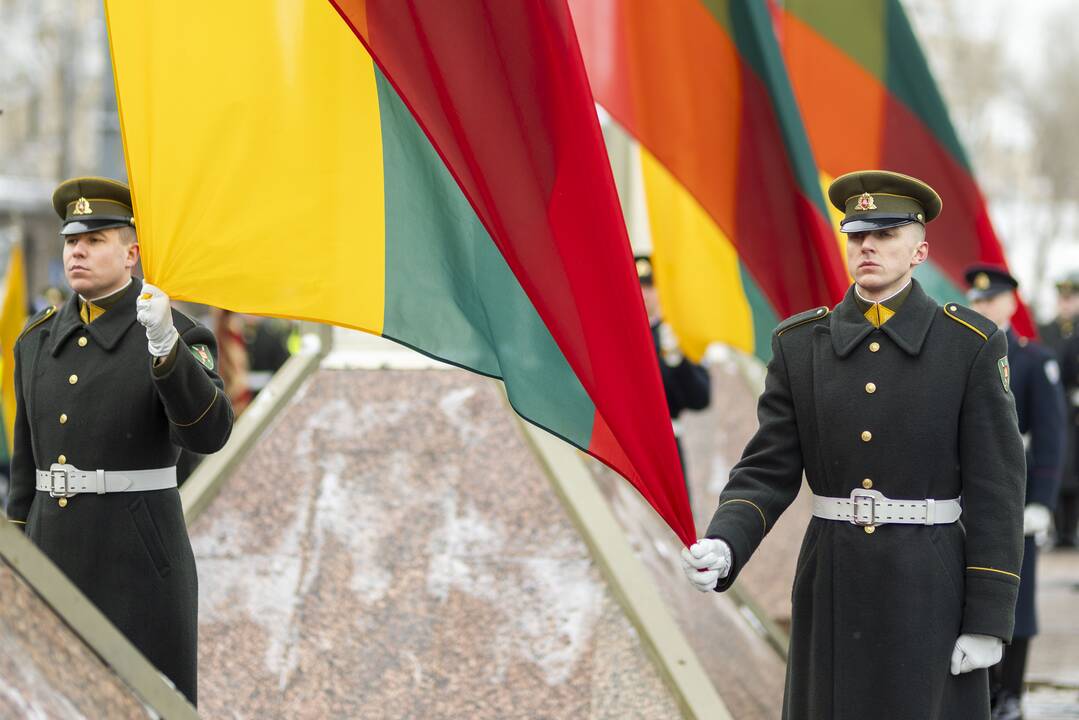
(109, 387)
(899, 412)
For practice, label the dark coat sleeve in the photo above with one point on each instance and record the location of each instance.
(199, 412)
(23, 479)
(993, 472)
(687, 385)
(1047, 427)
(767, 478)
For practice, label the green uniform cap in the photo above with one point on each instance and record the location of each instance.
(1069, 284)
(92, 203)
(878, 199)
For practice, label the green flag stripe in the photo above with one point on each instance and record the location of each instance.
(910, 80)
(450, 293)
(764, 317)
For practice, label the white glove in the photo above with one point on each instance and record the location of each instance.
(155, 313)
(973, 652)
(1036, 519)
(669, 345)
(705, 562)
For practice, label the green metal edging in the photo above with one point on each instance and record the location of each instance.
(678, 665)
(91, 626)
(206, 481)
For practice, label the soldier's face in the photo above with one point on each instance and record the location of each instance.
(97, 263)
(651, 300)
(1068, 305)
(882, 260)
(998, 308)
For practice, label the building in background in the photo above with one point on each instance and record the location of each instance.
(57, 119)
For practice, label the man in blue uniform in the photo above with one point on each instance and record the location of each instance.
(1060, 337)
(1039, 404)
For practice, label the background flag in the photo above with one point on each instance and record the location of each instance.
(12, 319)
(728, 170)
(870, 101)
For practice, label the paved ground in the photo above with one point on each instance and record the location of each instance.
(1054, 660)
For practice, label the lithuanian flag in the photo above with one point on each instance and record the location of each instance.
(870, 101)
(741, 233)
(456, 199)
(12, 318)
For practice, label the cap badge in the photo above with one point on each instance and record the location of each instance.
(865, 202)
(981, 281)
(644, 268)
(82, 207)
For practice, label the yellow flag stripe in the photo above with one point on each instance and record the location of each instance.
(697, 268)
(302, 133)
(12, 319)
(835, 216)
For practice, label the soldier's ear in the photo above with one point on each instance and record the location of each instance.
(132, 258)
(921, 252)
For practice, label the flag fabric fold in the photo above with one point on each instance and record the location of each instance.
(701, 85)
(456, 198)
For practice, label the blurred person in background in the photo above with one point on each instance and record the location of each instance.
(267, 349)
(1039, 405)
(1060, 337)
(686, 384)
(233, 360)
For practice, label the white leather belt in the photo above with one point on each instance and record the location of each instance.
(869, 507)
(67, 480)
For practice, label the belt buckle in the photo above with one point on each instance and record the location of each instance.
(854, 498)
(63, 474)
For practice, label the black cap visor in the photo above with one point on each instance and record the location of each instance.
(869, 224)
(992, 291)
(77, 227)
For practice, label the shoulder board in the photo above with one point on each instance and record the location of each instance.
(41, 317)
(802, 318)
(971, 320)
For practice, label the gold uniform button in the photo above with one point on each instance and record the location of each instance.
(867, 483)
(62, 459)
(874, 346)
(866, 436)
(62, 502)
(82, 342)
(869, 529)
(63, 418)
(73, 379)
(870, 388)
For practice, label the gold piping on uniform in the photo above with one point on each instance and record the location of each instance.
(46, 316)
(105, 200)
(964, 322)
(1002, 572)
(748, 502)
(878, 194)
(817, 315)
(17, 522)
(200, 417)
